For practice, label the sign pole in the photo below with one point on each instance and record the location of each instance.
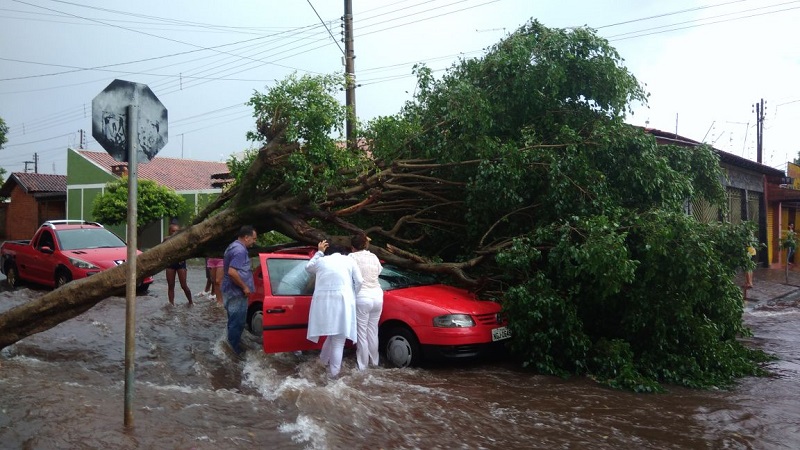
(130, 122)
(130, 287)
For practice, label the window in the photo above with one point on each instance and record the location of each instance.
(289, 277)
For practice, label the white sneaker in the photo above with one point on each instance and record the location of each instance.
(212, 297)
(201, 294)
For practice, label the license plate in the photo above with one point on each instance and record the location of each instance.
(498, 334)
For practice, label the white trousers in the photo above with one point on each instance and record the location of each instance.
(369, 304)
(331, 354)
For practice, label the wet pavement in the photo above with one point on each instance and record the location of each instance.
(772, 285)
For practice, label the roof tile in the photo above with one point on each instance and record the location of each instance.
(174, 173)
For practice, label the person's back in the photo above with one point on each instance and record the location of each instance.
(332, 312)
(334, 273)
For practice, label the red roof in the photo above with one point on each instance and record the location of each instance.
(34, 183)
(176, 174)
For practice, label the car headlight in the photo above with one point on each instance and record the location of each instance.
(81, 264)
(454, 321)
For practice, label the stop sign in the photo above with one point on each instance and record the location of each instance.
(110, 121)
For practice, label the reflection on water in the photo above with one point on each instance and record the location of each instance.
(64, 389)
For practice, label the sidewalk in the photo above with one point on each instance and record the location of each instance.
(770, 284)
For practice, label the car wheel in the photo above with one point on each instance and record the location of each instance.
(402, 347)
(255, 320)
(12, 275)
(142, 289)
(62, 277)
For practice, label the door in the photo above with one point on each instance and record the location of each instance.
(42, 265)
(287, 299)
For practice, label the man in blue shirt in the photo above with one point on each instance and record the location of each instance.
(237, 284)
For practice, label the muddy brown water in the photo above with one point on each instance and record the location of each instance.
(64, 388)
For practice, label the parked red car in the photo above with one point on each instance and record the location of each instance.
(421, 318)
(62, 251)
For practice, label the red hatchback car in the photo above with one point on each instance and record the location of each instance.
(421, 319)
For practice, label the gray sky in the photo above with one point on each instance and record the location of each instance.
(705, 63)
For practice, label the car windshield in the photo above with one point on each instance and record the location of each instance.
(82, 238)
(395, 278)
(289, 277)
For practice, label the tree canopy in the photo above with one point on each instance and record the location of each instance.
(154, 203)
(515, 174)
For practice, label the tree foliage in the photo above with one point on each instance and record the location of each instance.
(600, 270)
(516, 175)
(154, 202)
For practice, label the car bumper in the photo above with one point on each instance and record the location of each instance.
(450, 352)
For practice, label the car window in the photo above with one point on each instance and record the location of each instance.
(289, 277)
(80, 238)
(395, 278)
(45, 240)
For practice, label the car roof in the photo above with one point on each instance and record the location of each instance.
(70, 224)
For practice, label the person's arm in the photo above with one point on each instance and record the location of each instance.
(358, 279)
(237, 280)
(311, 266)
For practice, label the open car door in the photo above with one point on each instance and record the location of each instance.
(286, 302)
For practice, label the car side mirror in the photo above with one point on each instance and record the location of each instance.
(46, 249)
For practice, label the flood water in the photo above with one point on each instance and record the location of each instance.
(64, 388)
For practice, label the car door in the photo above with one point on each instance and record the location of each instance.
(287, 299)
(42, 265)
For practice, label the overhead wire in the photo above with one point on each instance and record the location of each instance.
(390, 78)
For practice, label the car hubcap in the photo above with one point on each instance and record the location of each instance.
(256, 324)
(398, 350)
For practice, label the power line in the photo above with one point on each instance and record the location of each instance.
(390, 78)
(658, 16)
(137, 31)
(326, 27)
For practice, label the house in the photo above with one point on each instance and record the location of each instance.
(750, 188)
(784, 193)
(88, 172)
(34, 198)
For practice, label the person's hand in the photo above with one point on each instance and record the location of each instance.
(322, 246)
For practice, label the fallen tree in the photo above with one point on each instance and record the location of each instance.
(514, 174)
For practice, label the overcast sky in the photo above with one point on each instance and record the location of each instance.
(705, 63)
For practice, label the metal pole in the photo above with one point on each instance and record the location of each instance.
(130, 287)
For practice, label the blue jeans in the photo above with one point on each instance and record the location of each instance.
(237, 314)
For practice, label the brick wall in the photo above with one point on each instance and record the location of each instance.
(22, 218)
(51, 210)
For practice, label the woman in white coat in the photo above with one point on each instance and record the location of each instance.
(333, 305)
(369, 301)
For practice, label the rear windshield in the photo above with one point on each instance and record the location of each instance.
(84, 238)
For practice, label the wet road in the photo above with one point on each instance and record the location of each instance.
(64, 389)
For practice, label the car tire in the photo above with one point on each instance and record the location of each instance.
(401, 347)
(62, 277)
(142, 289)
(255, 320)
(12, 275)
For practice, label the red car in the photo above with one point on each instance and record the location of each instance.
(62, 251)
(421, 319)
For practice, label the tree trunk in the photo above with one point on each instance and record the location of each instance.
(78, 296)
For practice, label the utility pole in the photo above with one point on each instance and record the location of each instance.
(350, 76)
(35, 163)
(759, 130)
